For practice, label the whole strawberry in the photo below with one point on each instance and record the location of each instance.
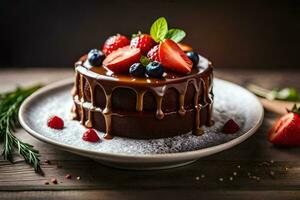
(286, 130)
(113, 43)
(143, 42)
(55, 122)
(153, 53)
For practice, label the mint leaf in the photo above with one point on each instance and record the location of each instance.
(144, 60)
(175, 34)
(159, 29)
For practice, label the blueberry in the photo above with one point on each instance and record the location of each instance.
(137, 69)
(96, 57)
(155, 70)
(194, 57)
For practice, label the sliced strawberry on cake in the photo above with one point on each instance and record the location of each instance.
(173, 58)
(120, 60)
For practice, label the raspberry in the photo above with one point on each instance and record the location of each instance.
(55, 122)
(142, 41)
(230, 127)
(91, 136)
(113, 43)
(153, 54)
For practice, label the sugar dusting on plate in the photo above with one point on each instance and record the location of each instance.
(229, 103)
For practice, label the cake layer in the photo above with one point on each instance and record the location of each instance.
(142, 107)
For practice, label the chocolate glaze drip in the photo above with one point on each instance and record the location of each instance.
(86, 75)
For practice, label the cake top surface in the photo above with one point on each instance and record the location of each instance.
(151, 59)
(102, 73)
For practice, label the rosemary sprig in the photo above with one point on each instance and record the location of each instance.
(285, 94)
(9, 108)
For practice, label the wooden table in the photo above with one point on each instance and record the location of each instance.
(278, 169)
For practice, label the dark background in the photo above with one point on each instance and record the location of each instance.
(55, 33)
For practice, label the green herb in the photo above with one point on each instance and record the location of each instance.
(144, 60)
(175, 34)
(285, 94)
(9, 108)
(159, 31)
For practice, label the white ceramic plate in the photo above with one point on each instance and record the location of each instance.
(231, 101)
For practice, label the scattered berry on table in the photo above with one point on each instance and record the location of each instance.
(68, 176)
(54, 181)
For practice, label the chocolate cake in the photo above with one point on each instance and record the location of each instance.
(171, 94)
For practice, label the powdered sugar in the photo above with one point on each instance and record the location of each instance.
(230, 102)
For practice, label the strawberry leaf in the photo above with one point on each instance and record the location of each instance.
(175, 34)
(159, 29)
(144, 60)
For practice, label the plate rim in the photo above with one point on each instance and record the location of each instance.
(177, 156)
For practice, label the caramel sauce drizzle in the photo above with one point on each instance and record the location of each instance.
(82, 99)
(89, 122)
(107, 114)
(139, 100)
(201, 86)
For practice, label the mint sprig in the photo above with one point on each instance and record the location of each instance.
(159, 31)
(175, 34)
(144, 61)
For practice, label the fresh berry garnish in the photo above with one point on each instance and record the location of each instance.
(96, 57)
(230, 127)
(173, 58)
(114, 42)
(185, 47)
(91, 136)
(194, 57)
(153, 53)
(55, 122)
(286, 130)
(155, 70)
(137, 69)
(142, 41)
(120, 60)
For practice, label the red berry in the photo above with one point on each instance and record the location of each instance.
(286, 130)
(173, 58)
(55, 122)
(142, 41)
(120, 60)
(153, 53)
(91, 136)
(230, 127)
(113, 43)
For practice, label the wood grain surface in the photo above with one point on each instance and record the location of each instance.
(252, 170)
